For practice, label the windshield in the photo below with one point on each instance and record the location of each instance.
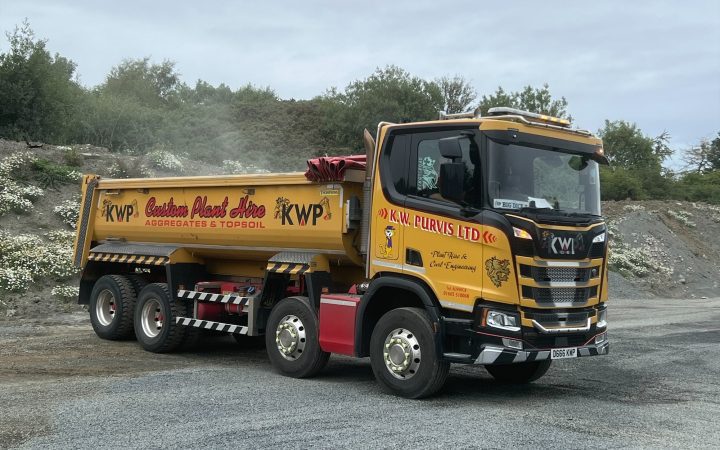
(522, 177)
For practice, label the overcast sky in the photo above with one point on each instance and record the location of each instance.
(653, 63)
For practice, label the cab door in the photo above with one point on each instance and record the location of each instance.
(390, 220)
(443, 241)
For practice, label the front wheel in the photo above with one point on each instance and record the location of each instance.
(519, 373)
(292, 339)
(403, 354)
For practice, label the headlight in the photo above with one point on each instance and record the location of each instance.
(602, 318)
(501, 320)
(599, 238)
(520, 233)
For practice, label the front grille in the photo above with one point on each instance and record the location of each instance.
(554, 296)
(552, 319)
(559, 273)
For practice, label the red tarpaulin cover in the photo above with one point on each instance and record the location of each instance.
(332, 168)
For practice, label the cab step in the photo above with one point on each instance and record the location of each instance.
(210, 325)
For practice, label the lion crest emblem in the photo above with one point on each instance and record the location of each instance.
(498, 270)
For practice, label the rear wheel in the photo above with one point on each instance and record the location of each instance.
(111, 307)
(403, 354)
(292, 339)
(519, 373)
(155, 316)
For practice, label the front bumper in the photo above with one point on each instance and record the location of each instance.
(493, 354)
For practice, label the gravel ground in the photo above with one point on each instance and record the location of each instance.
(61, 387)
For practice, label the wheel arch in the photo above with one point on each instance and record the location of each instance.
(398, 291)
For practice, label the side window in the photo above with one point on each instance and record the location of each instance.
(397, 162)
(425, 167)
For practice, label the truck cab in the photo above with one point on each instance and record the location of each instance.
(499, 217)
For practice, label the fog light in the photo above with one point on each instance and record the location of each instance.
(501, 320)
(600, 338)
(512, 343)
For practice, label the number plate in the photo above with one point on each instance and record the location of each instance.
(562, 353)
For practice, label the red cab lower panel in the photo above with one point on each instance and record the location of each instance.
(337, 323)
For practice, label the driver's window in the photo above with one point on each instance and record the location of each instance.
(427, 160)
(428, 169)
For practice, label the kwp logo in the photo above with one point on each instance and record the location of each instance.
(293, 213)
(119, 213)
(563, 246)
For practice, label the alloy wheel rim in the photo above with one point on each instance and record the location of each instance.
(401, 353)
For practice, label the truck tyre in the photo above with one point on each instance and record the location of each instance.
(403, 354)
(519, 373)
(111, 307)
(137, 282)
(292, 339)
(155, 315)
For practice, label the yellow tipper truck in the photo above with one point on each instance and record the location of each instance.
(470, 240)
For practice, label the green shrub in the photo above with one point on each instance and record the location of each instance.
(72, 157)
(52, 175)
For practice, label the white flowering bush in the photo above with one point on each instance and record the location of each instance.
(65, 292)
(682, 217)
(26, 258)
(68, 211)
(11, 200)
(74, 175)
(712, 210)
(129, 169)
(633, 208)
(15, 196)
(13, 163)
(634, 261)
(165, 160)
(61, 236)
(15, 279)
(235, 167)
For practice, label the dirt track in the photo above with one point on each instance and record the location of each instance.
(60, 386)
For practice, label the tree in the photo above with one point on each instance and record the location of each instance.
(705, 157)
(205, 94)
(537, 100)
(636, 161)
(389, 94)
(626, 146)
(154, 85)
(38, 95)
(457, 94)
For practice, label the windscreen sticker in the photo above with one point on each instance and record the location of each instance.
(509, 204)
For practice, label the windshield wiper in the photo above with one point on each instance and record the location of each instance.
(534, 209)
(576, 214)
